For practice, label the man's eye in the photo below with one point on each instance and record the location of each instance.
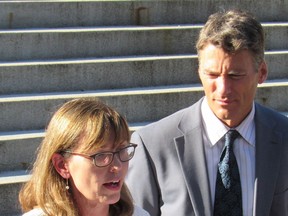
(211, 75)
(236, 76)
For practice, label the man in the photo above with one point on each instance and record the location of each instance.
(175, 169)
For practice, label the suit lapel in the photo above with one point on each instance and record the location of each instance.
(267, 161)
(191, 155)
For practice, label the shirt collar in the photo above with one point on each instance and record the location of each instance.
(215, 129)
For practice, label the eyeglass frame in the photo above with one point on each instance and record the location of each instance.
(93, 156)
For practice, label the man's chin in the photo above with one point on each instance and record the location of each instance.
(225, 115)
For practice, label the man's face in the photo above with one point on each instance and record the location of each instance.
(230, 82)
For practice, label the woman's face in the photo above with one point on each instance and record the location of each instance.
(97, 185)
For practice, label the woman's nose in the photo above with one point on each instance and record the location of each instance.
(116, 164)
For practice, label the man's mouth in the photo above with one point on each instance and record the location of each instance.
(224, 101)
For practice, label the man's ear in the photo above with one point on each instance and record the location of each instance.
(60, 165)
(263, 72)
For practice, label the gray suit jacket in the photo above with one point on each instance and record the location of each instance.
(168, 174)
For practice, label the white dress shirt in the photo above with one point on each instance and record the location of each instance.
(244, 150)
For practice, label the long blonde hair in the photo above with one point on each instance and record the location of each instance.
(89, 120)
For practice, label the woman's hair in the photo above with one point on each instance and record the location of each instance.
(233, 30)
(84, 122)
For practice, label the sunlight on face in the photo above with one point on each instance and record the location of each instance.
(230, 82)
(97, 185)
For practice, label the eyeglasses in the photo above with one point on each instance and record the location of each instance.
(103, 159)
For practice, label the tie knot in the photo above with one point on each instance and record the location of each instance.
(230, 136)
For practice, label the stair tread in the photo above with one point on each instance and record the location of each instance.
(111, 59)
(28, 134)
(101, 60)
(120, 92)
(10, 177)
(124, 28)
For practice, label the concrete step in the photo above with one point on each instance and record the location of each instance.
(66, 43)
(99, 42)
(276, 64)
(18, 149)
(51, 14)
(112, 73)
(97, 73)
(14, 177)
(10, 184)
(32, 111)
(275, 35)
(9, 199)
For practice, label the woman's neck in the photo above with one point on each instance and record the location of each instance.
(102, 210)
(87, 208)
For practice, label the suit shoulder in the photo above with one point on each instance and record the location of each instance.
(268, 116)
(167, 123)
(172, 126)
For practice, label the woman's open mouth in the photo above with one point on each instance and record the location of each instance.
(113, 185)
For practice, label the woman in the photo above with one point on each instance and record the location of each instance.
(81, 164)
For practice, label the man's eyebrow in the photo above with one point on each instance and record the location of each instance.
(210, 71)
(231, 72)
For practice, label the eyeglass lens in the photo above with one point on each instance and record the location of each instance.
(105, 158)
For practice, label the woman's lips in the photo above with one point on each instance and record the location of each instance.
(113, 185)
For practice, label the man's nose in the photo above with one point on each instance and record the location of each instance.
(223, 85)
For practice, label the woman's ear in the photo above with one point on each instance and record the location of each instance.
(60, 165)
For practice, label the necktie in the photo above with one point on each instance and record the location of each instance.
(228, 196)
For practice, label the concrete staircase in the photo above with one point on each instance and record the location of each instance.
(138, 56)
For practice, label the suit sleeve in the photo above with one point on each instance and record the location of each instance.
(141, 179)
